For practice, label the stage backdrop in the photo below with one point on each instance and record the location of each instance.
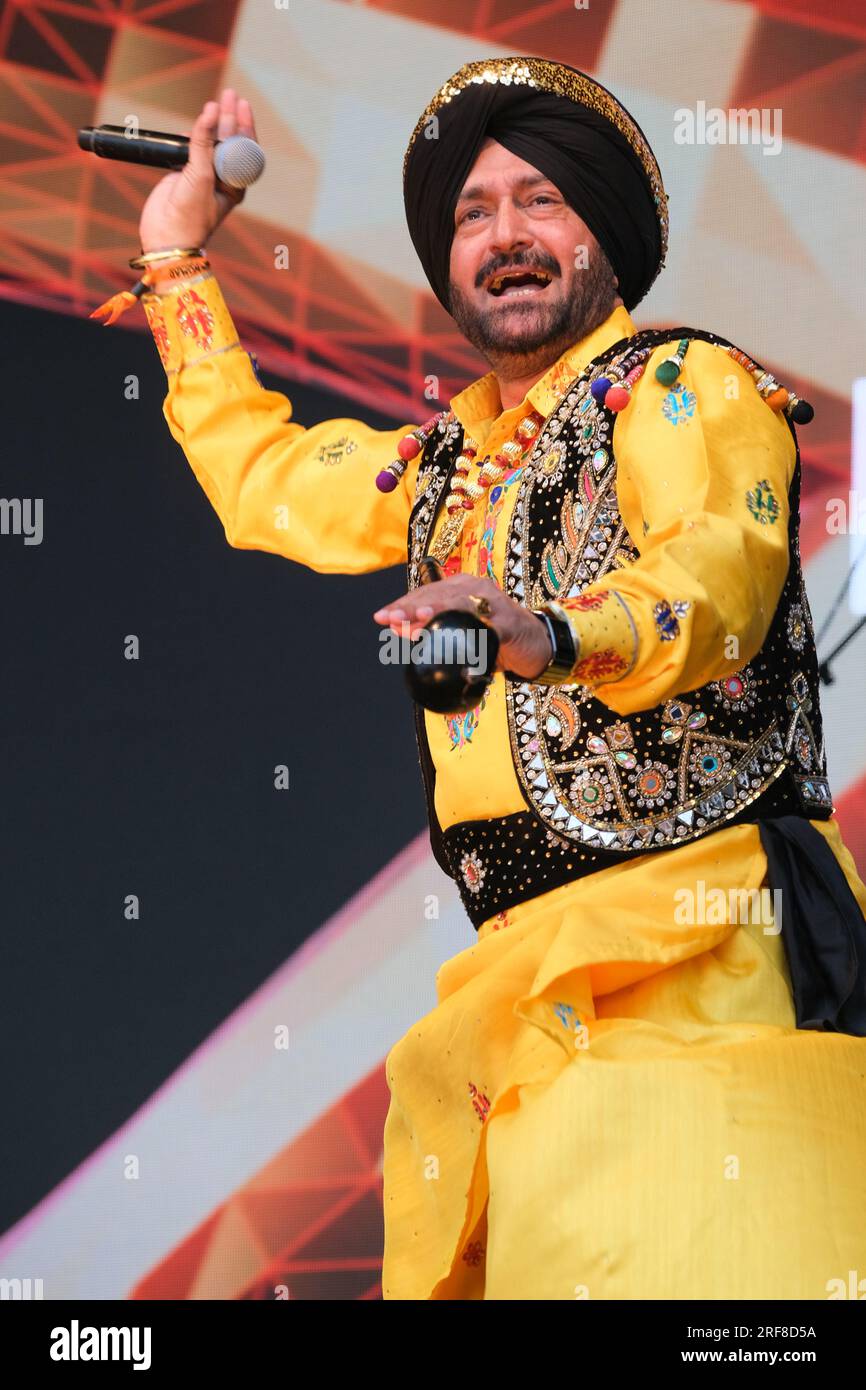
(199, 1101)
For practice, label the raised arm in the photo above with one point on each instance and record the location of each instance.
(306, 493)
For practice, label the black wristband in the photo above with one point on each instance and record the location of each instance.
(564, 648)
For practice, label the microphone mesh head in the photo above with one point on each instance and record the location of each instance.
(238, 161)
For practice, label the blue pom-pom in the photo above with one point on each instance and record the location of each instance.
(600, 388)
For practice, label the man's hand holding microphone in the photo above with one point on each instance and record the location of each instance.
(186, 207)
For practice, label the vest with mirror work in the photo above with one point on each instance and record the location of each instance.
(599, 788)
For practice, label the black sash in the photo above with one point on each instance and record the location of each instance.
(823, 928)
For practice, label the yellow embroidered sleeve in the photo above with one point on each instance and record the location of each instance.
(306, 493)
(703, 472)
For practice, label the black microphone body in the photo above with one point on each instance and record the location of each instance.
(153, 147)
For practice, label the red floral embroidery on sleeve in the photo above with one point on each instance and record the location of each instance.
(584, 602)
(607, 662)
(156, 322)
(195, 318)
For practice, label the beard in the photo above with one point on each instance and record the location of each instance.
(533, 334)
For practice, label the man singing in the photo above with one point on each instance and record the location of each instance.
(647, 1079)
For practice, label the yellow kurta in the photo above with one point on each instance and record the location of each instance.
(605, 1102)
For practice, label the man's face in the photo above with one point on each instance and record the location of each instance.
(511, 217)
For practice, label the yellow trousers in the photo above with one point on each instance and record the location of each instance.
(609, 1101)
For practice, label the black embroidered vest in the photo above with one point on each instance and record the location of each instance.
(598, 787)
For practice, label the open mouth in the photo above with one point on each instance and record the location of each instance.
(514, 283)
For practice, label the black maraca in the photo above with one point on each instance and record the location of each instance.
(453, 658)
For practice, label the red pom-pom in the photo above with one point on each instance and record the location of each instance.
(617, 398)
(408, 447)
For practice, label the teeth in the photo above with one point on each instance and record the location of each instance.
(515, 274)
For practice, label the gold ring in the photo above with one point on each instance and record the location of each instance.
(482, 605)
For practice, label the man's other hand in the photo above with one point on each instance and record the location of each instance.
(524, 644)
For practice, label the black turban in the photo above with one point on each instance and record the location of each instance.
(568, 127)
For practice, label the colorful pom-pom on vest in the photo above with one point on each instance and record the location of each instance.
(409, 447)
(668, 371)
(614, 391)
(600, 388)
(777, 397)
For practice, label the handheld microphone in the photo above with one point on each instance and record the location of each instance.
(238, 160)
(451, 686)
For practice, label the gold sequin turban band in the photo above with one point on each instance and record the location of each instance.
(564, 124)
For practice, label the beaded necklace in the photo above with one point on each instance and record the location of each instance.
(465, 490)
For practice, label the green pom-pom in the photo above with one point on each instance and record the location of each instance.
(668, 371)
